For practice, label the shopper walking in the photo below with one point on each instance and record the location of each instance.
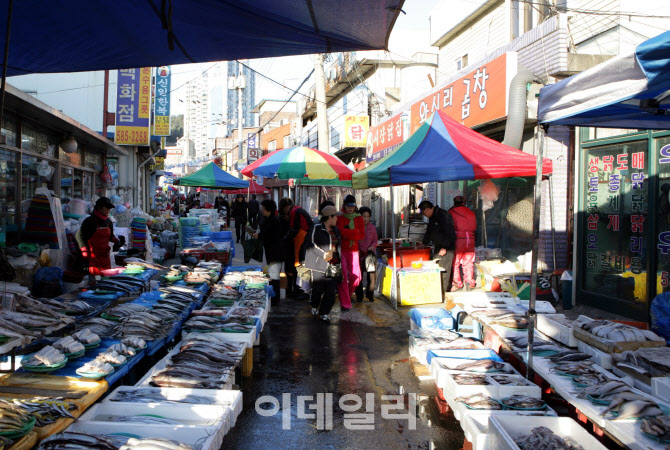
(352, 229)
(270, 234)
(254, 209)
(465, 225)
(300, 223)
(441, 233)
(239, 213)
(367, 248)
(96, 232)
(322, 250)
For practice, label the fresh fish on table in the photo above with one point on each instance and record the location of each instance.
(511, 321)
(154, 395)
(511, 380)
(30, 320)
(10, 329)
(569, 356)
(618, 399)
(63, 307)
(613, 387)
(471, 379)
(178, 378)
(70, 440)
(35, 307)
(480, 401)
(636, 409)
(146, 419)
(575, 369)
(542, 438)
(154, 444)
(481, 365)
(592, 379)
(45, 409)
(658, 427)
(523, 402)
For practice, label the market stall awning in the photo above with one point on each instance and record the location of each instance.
(254, 188)
(444, 150)
(299, 163)
(628, 91)
(212, 176)
(84, 35)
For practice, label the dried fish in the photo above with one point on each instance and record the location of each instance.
(542, 438)
(48, 356)
(86, 337)
(658, 427)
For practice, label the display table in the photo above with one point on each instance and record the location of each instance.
(414, 286)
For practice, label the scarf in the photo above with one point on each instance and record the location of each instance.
(99, 214)
(351, 218)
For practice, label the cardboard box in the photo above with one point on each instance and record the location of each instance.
(283, 282)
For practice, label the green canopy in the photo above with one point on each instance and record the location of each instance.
(212, 176)
(321, 182)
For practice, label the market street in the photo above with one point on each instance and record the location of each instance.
(363, 352)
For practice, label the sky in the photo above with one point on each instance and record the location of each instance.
(410, 34)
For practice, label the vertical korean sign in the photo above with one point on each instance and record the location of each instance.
(478, 97)
(162, 102)
(356, 130)
(133, 106)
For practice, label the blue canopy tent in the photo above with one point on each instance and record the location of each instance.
(628, 91)
(82, 35)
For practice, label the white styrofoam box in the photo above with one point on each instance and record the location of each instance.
(528, 388)
(504, 429)
(229, 379)
(444, 380)
(631, 381)
(452, 388)
(541, 306)
(601, 358)
(476, 430)
(660, 387)
(227, 398)
(200, 438)
(556, 330)
(216, 416)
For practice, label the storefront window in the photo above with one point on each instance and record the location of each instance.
(66, 183)
(87, 186)
(8, 180)
(9, 128)
(70, 158)
(37, 141)
(662, 241)
(93, 160)
(36, 173)
(615, 220)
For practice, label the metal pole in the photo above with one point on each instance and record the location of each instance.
(5, 60)
(240, 150)
(536, 249)
(551, 213)
(321, 105)
(394, 287)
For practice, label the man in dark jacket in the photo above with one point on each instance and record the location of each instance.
(254, 209)
(239, 213)
(441, 233)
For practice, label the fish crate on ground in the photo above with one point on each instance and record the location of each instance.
(226, 398)
(204, 438)
(187, 416)
(505, 429)
(552, 325)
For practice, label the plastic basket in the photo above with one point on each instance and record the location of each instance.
(222, 257)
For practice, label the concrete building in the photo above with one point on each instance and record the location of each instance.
(248, 96)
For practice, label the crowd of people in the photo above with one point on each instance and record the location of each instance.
(337, 249)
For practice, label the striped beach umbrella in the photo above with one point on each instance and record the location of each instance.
(299, 163)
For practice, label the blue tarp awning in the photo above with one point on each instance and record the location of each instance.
(628, 91)
(83, 35)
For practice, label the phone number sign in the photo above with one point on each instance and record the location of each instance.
(133, 107)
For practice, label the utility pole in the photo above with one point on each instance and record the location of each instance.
(239, 83)
(321, 106)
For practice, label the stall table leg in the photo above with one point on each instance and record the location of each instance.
(248, 362)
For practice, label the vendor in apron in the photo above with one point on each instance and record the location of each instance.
(96, 232)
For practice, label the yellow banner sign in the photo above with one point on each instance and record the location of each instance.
(356, 131)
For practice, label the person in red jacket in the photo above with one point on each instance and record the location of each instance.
(352, 229)
(465, 224)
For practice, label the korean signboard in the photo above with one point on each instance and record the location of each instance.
(162, 102)
(133, 104)
(384, 138)
(254, 154)
(356, 130)
(478, 97)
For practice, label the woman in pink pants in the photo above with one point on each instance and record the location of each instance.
(352, 229)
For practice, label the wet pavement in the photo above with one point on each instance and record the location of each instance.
(362, 352)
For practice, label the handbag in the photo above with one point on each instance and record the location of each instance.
(370, 262)
(334, 271)
(7, 272)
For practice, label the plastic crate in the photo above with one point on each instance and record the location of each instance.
(222, 257)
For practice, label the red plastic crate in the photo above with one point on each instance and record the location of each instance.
(222, 257)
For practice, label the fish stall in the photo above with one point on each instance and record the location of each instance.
(62, 355)
(609, 376)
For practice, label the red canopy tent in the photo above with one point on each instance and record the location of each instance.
(254, 188)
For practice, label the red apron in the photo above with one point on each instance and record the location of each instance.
(98, 260)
